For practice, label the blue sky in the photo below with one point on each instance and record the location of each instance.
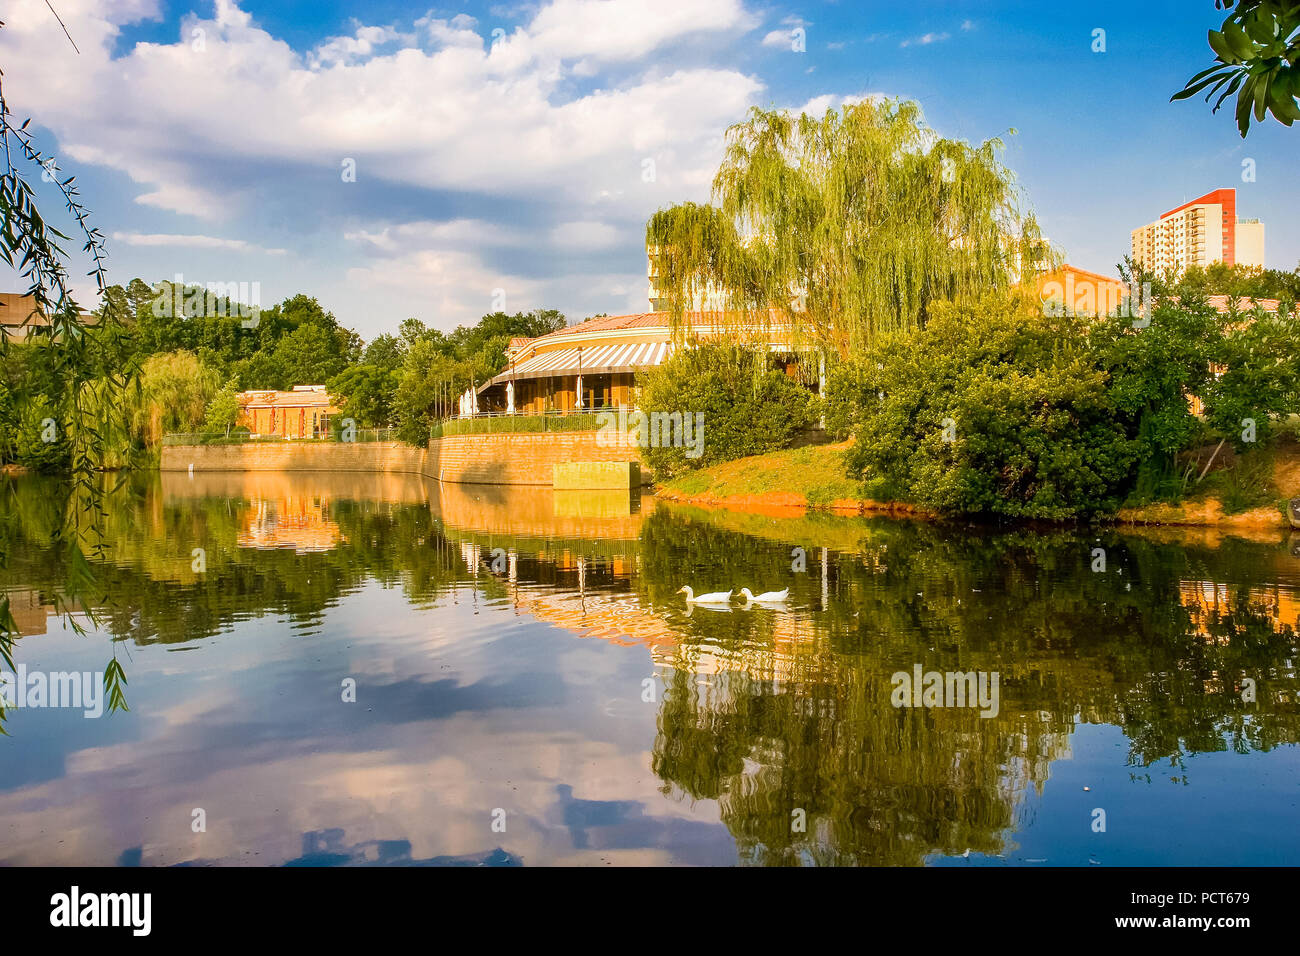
(510, 168)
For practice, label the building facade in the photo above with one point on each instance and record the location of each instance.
(598, 359)
(22, 321)
(303, 412)
(1073, 291)
(1201, 232)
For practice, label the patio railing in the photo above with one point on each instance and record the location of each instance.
(493, 423)
(483, 423)
(359, 436)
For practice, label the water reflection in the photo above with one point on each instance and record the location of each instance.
(523, 651)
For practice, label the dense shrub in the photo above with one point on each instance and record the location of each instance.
(1242, 366)
(991, 409)
(1059, 417)
(1260, 380)
(748, 408)
(1151, 373)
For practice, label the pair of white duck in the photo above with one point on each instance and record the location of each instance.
(718, 598)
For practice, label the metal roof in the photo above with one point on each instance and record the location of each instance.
(594, 360)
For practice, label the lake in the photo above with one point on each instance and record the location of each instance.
(328, 669)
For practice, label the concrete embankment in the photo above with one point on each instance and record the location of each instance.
(506, 459)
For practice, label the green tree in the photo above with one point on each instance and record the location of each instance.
(40, 440)
(8, 424)
(261, 370)
(223, 410)
(992, 408)
(431, 382)
(366, 393)
(174, 391)
(850, 225)
(438, 367)
(1240, 281)
(1152, 373)
(310, 355)
(1259, 384)
(386, 352)
(748, 408)
(1256, 56)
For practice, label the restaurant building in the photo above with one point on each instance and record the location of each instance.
(593, 365)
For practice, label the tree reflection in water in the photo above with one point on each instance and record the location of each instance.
(771, 713)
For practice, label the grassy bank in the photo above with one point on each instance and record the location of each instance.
(790, 479)
(1247, 492)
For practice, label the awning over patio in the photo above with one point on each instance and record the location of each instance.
(597, 360)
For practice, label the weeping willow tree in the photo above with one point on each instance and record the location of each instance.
(844, 227)
(84, 378)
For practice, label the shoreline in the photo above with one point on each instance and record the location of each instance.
(810, 480)
(781, 504)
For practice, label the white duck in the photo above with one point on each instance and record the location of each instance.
(767, 597)
(716, 597)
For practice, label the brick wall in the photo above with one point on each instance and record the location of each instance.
(521, 459)
(514, 459)
(296, 456)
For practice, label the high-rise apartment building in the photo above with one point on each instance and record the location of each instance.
(1198, 233)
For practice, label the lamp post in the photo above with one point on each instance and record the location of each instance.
(579, 388)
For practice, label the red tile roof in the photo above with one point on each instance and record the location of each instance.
(647, 320)
(299, 398)
(610, 323)
(1220, 304)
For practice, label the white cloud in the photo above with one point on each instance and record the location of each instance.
(785, 38)
(458, 31)
(584, 235)
(364, 43)
(445, 266)
(925, 39)
(627, 29)
(454, 233)
(453, 286)
(199, 242)
(460, 117)
(456, 286)
(818, 105)
(436, 106)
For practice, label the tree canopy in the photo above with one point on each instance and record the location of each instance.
(848, 225)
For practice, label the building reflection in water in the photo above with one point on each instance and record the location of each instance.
(300, 523)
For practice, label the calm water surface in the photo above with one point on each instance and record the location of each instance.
(523, 655)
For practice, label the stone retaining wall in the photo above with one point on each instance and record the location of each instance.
(504, 459)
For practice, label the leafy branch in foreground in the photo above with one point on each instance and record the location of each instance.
(1257, 56)
(80, 351)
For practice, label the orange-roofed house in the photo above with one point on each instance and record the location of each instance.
(1080, 292)
(303, 412)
